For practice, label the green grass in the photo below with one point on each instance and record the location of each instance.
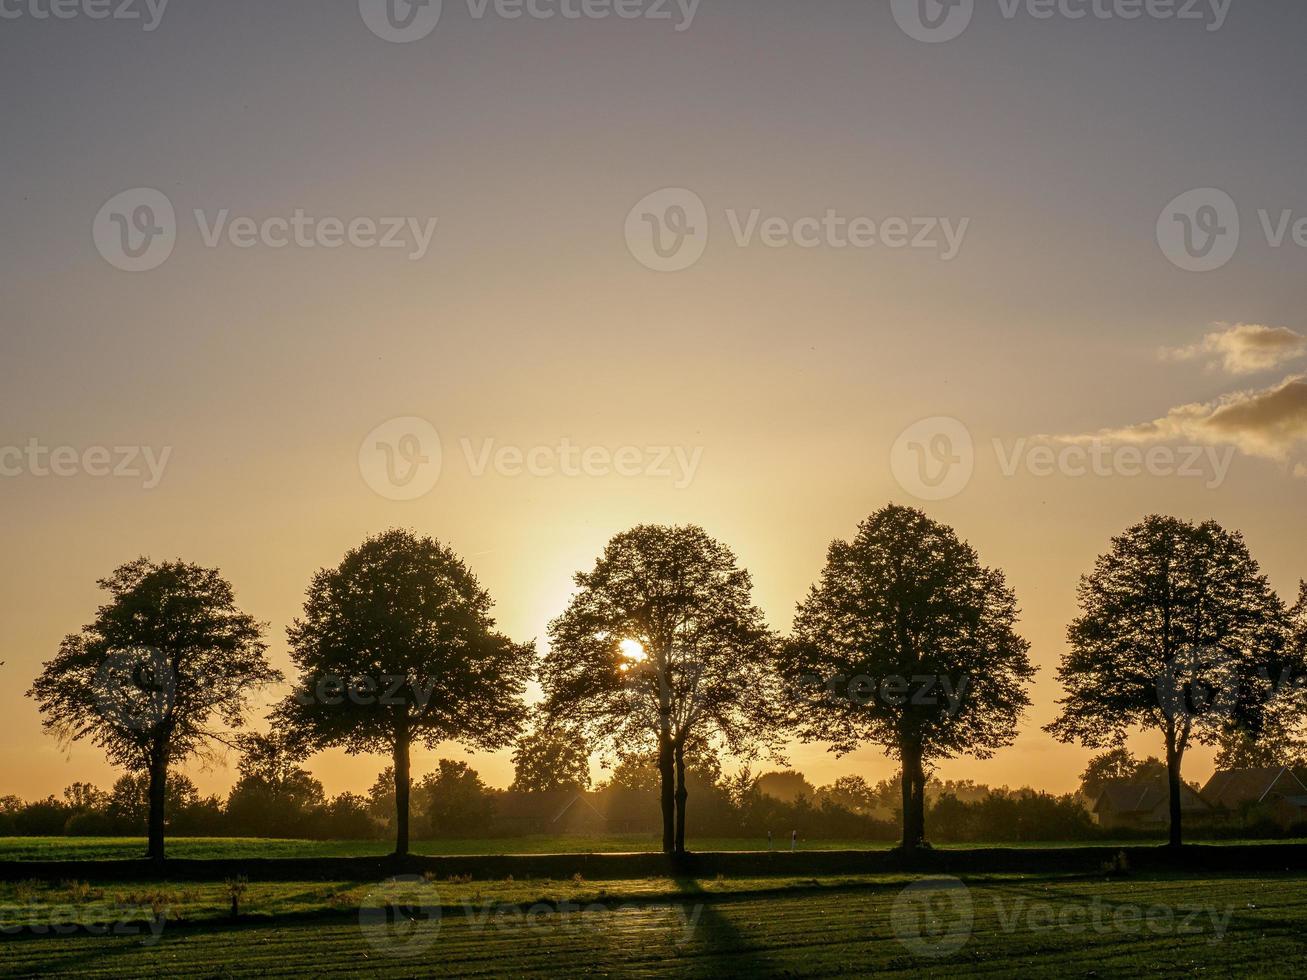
(114, 848)
(119, 848)
(1027, 925)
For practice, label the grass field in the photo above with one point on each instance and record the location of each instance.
(115, 848)
(1039, 926)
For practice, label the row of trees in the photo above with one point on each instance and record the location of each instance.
(272, 799)
(908, 642)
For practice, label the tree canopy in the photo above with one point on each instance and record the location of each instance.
(662, 648)
(550, 758)
(1179, 632)
(909, 643)
(162, 673)
(396, 647)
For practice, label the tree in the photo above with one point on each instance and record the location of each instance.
(129, 802)
(1177, 633)
(84, 796)
(457, 802)
(397, 648)
(274, 796)
(1117, 764)
(548, 759)
(852, 793)
(909, 643)
(1241, 751)
(165, 657)
(786, 786)
(635, 773)
(663, 648)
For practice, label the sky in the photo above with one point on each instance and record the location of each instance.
(759, 265)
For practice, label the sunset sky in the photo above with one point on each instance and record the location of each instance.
(762, 391)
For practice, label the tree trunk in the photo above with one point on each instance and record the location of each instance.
(1174, 757)
(914, 796)
(403, 782)
(682, 794)
(158, 791)
(667, 789)
(919, 804)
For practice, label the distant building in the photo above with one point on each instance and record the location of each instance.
(1279, 790)
(1145, 804)
(573, 813)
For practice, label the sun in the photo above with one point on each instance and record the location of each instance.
(633, 651)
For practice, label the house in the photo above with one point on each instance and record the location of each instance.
(1277, 789)
(573, 813)
(556, 812)
(1145, 804)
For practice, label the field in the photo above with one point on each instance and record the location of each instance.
(1104, 920)
(114, 848)
(1031, 925)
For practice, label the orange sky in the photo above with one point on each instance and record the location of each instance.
(786, 373)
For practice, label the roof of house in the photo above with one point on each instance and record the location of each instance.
(1129, 796)
(1234, 787)
(534, 806)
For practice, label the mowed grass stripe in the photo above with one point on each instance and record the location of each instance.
(807, 933)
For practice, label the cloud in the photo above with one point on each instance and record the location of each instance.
(1270, 423)
(1245, 348)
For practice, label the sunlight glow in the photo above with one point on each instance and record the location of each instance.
(633, 651)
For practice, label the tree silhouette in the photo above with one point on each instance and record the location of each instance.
(167, 656)
(273, 796)
(396, 647)
(662, 648)
(1179, 633)
(548, 759)
(908, 643)
(1117, 764)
